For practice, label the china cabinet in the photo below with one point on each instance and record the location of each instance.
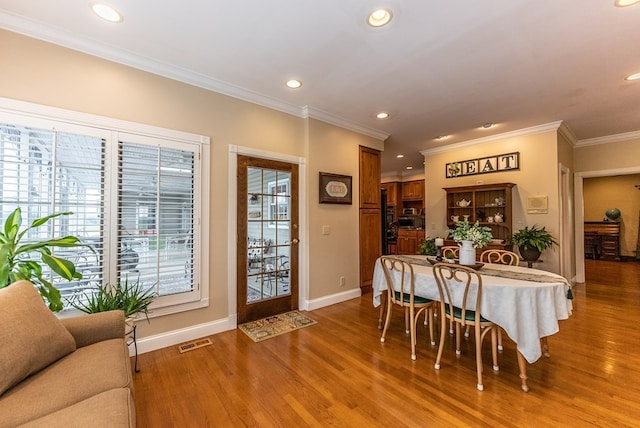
(489, 204)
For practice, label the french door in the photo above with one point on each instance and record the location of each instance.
(267, 256)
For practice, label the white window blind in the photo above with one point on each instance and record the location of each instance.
(135, 199)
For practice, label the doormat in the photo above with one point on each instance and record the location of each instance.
(269, 327)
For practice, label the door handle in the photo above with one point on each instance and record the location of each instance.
(295, 241)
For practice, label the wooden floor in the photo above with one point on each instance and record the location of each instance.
(337, 373)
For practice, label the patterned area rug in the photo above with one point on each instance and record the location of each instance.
(276, 325)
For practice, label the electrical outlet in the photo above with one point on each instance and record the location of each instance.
(343, 281)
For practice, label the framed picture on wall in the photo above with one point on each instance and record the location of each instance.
(335, 188)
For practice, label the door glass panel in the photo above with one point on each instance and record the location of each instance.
(268, 233)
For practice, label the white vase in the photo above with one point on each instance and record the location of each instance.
(467, 253)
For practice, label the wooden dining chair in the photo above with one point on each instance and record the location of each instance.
(450, 252)
(463, 285)
(503, 257)
(400, 291)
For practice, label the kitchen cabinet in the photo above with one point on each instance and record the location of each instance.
(370, 215)
(392, 193)
(409, 240)
(413, 190)
(489, 204)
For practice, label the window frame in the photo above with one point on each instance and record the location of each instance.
(113, 131)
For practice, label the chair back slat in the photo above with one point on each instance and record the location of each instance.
(503, 257)
(459, 287)
(399, 276)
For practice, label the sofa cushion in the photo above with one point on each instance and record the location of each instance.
(109, 409)
(86, 372)
(32, 337)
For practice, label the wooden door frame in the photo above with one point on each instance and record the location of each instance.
(303, 234)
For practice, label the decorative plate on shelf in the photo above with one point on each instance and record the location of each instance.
(433, 261)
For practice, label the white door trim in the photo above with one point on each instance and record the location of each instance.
(578, 187)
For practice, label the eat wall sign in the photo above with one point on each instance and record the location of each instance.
(499, 163)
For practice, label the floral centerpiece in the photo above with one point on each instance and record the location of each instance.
(464, 231)
(470, 237)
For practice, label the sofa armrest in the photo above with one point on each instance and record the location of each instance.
(93, 328)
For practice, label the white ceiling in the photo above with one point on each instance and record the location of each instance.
(440, 67)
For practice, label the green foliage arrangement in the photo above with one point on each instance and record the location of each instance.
(428, 247)
(464, 231)
(534, 237)
(130, 297)
(17, 258)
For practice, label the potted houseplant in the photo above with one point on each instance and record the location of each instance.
(532, 241)
(19, 260)
(427, 247)
(469, 237)
(132, 297)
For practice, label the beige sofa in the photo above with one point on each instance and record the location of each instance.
(73, 372)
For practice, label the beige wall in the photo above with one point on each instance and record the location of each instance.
(610, 156)
(47, 74)
(333, 150)
(538, 175)
(603, 193)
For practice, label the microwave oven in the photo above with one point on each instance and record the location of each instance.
(411, 221)
(409, 211)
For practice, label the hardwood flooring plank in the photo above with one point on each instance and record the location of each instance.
(337, 373)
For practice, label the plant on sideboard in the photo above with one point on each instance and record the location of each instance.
(24, 260)
(532, 241)
(428, 247)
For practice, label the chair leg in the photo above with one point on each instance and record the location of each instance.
(494, 347)
(545, 347)
(466, 332)
(458, 339)
(443, 324)
(412, 327)
(429, 312)
(407, 329)
(479, 357)
(383, 306)
(388, 320)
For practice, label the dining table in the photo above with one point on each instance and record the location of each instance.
(526, 303)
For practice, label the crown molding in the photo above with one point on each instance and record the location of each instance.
(608, 139)
(568, 134)
(310, 112)
(533, 130)
(61, 37)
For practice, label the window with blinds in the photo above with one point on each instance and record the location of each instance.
(133, 199)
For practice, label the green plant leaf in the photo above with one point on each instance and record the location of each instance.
(40, 221)
(62, 267)
(12, 224)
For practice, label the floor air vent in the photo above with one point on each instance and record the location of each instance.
(194, 345)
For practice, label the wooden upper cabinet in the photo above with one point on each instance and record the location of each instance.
(392, 193)
(413, 190)
(370, 173)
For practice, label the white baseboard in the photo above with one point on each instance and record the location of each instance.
(175, 337)
(332, 299)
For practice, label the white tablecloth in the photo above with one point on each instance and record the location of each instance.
(526, 310)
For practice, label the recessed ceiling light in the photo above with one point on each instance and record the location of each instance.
(382, 115)
(441, 137)
(409, 167)
(400, 156)
(379, 17)
(106, 12)
(634, 76)
(487, 125)
(293, 84)
(624, 3)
